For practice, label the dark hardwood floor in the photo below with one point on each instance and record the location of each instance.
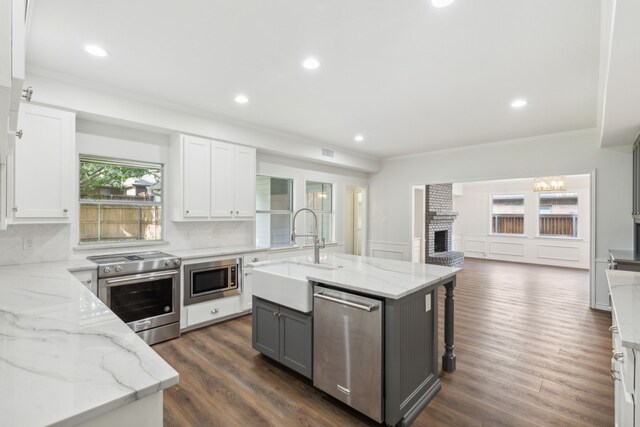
(529, 352)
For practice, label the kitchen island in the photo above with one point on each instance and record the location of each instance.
(282, 328)
(66, 359)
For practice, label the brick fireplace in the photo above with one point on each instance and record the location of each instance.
(439, 227)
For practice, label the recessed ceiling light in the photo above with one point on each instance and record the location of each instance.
(441, 3)
(358, 138)
(241, 99)
(519, 103)
(311, 64)
(95, 50)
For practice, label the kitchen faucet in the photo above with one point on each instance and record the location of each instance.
(317, 244)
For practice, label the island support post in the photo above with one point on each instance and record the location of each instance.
(448, 358)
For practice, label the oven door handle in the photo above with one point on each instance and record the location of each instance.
(139, 278)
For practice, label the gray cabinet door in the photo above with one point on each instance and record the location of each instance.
(296, 338)
(266, 328)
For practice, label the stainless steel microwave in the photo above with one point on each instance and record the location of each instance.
(210, 280)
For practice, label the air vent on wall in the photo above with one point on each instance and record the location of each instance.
(327, 152)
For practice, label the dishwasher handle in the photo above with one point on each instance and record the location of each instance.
(369, 308)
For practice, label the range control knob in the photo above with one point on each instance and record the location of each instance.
(107, 270)
(176, 262)
(167, 263)
(118, 268)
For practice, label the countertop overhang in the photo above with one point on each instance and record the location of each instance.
(64, 356)
(374, 276)
(624, 287)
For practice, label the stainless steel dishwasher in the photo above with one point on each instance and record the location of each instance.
(347, 349)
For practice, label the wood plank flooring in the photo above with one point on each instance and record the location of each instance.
(529, 351)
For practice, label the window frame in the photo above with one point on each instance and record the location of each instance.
(332, 239)
(578, 235)
(293, 181)
(120, 243)
(524, 215)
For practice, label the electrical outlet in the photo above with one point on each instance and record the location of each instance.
(427, 303)
(27, 244)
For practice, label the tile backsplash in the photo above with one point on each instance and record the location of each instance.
(52, 242)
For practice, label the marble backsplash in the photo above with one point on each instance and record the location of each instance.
(53, 242)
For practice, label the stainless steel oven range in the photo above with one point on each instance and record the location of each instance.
(143, 289)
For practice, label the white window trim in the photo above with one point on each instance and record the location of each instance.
(82, 246)
(293, 210)
(551, 236)
(333, 207)
(524, 215)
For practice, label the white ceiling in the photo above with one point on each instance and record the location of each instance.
(408, 76)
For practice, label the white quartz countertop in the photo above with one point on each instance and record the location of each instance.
(375, 276)
(64, 356)
(624, 287)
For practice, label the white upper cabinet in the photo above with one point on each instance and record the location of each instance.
(212, 180)
(12, 69)
(245, 185)
(41, 169)
(197, 177)
(222, 179)
(233, 181)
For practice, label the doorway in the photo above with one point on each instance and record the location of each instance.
(354, 220)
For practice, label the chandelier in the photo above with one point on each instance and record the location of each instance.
(550, 183)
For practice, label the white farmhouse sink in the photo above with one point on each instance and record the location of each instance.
(286, 283)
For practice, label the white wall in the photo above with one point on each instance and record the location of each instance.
(107, 104)
(472, 226)
(561, 154)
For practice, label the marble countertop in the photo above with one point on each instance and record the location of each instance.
(64, 356)
(624, 287)
(375, 276)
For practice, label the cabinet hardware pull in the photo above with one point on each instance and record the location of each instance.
(618, 356)
(17, 133)
(237, 212)
(613, 329)
(65, 210)
(255, 259)
(215, 311)
(88, 281)
(275, 314)
(231, 212)
(186, 211)
(27, 93)
(15, 209)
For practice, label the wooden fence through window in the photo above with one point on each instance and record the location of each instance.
(559, 225)
(118, 222)
(507, 224)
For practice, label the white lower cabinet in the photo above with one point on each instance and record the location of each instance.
(247, 273)
(626, 376)
(89, 278)
(210, 311)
